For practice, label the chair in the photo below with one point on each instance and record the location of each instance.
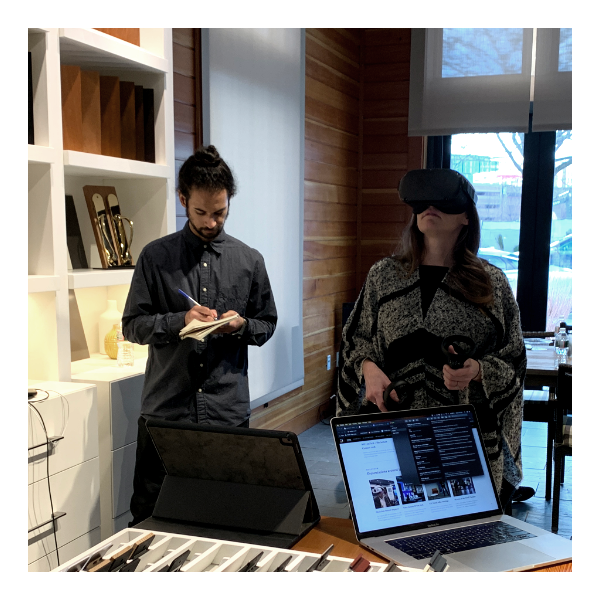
(538, 407)
(538, 334)
(563, 444)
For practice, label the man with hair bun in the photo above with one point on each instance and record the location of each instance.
(186, 380)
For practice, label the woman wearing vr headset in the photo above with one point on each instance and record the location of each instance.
(433, 288)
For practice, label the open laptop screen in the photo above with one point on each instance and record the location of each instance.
(413, 468)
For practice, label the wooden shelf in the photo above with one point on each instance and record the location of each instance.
(93, 49)
(87, 278)
(95, 165)
(100, 367)
(43, 283)
(41, 155)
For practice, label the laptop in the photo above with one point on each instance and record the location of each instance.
(419, 481)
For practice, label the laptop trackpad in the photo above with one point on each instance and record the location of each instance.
(502, 557)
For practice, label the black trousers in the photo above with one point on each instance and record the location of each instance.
(148, 475)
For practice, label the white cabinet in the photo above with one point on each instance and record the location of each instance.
(67, 552)
(123, 463)
(63, 476)
(119, 402)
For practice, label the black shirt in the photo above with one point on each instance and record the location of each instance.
(430, 277)
(207, 381)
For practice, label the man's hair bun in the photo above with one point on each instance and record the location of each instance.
(207, 157)
(206, 170)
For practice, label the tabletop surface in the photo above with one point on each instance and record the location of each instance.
(340, 532)
(541, 359)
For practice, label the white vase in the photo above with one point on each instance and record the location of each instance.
(105, 322)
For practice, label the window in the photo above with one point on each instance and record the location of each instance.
(498, 188)
(493, 163)
(560, 276)
(469, 87)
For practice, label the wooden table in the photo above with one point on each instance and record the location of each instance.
(541, 367)
(543, 370)
(340, 532)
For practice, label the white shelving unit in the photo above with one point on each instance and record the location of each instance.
(146, 196)
(145, 190)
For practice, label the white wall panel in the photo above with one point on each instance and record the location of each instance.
(253, 112)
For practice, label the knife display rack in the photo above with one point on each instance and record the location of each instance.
(195, 554)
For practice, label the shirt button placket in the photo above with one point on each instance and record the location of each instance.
(200, 405)
(204, 301)
(204, 283)
(203, 294)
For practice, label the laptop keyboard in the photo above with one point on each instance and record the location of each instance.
(460, 539)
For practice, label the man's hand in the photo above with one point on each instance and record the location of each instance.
(233, 325)
(200, 313)
(375, 382)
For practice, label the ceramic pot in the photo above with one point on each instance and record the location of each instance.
(105, 322)
(110, 342)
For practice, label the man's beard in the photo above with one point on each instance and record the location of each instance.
(203, 233)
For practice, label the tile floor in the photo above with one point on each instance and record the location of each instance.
(326, 478)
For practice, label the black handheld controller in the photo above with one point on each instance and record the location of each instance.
(463, 346)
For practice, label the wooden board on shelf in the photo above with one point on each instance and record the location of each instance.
(140, 149)
(70, 86)
(149, 150)
(127, 35)
(90, 112)
(128, 141)
(110, 114)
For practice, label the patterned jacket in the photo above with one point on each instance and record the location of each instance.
(387, 326)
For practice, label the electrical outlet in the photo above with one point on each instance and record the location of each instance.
(328, 362)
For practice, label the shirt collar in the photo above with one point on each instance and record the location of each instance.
(197, 243)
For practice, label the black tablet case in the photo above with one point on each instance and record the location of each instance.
(231, 483)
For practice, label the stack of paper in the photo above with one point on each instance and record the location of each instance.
(200, 329)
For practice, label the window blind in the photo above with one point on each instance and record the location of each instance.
(468, 80)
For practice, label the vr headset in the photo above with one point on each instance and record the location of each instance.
(444, 189)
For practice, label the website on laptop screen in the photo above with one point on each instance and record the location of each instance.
(406, 471)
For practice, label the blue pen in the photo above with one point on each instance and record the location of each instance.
(190, 299)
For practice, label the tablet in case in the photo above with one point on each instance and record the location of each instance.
(238, 484)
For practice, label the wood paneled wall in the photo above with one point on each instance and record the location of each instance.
(331, 180)
(356, 151)
(187, 98)
(388, 152)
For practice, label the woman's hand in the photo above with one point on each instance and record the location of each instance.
(459, 379)
(375, 382)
